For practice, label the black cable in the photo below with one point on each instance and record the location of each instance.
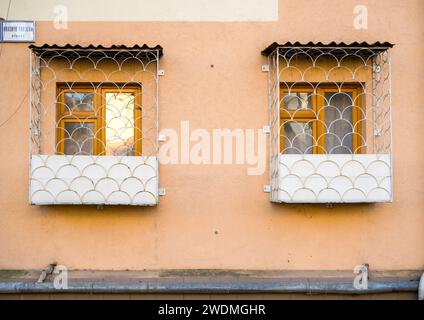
(16, 110)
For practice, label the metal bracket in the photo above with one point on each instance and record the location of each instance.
(376, 68)
(46, 272)
(161, 191)
(266, 129)
(161, 72)
(265, 68)
(161, 137)
(421, 288)
(267, 188)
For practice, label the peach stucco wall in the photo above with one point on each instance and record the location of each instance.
(217, 216)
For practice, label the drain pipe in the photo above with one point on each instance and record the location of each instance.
(421, 288)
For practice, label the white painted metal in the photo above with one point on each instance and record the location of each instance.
(265, 68)
(162, 191)
(302, 177)
(122, 177)
(421, 288)
(161, 137)
(266, 129)
(79, 179)
(334, 178)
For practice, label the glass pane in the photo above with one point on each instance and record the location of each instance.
(297, 137)
(297, 100)
(120, 124)
(79, 138)
(338, 121)
(78, 101)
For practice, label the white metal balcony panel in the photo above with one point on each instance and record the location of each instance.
(334, 178)
(96, 180)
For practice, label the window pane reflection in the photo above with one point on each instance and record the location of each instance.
(297, 100)
(297, 137)
(338, 121)
(79, 138)
(78, 101)
(120, 124)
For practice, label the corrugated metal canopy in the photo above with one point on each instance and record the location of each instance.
(114, 50)
(354, 46)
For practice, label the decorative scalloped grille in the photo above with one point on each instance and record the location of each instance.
(357, 172)
(108, 154)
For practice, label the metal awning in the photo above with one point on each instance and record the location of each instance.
(98, 51)
(347, 48)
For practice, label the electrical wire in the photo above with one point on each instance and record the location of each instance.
(16, 110)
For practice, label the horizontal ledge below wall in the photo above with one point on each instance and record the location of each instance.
(212, 287)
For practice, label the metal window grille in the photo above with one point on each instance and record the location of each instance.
(94, 124)
(321, 150)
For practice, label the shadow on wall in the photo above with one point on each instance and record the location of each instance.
(101, 210)
(319, 209)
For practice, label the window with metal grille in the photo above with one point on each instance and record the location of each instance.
(330, 120)
(94, 125)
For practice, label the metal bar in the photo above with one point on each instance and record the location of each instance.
(30, 124)
(302, 287)
(389, 61)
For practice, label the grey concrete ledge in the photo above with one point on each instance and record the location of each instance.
(211, 287)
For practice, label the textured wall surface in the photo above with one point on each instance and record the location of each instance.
(216, 216)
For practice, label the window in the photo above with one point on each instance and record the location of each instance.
(329, 122)
(104, 120)
(94, 125)
(323, 118)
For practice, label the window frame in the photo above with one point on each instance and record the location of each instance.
(98, 115)
(316, 115)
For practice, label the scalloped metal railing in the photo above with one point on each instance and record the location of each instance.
(309, 172)
(112, 161)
